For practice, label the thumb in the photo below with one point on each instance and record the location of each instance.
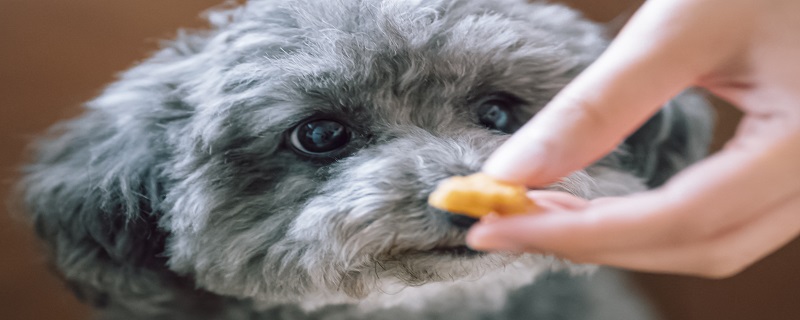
(665, 48)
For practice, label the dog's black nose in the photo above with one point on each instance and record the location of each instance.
(462, 221)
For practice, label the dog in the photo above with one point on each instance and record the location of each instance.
(277, 166)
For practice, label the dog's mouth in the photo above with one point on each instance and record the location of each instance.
(459, 251)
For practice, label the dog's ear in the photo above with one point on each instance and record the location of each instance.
(94, 184)
(92, 193)
(94, 188)
(678, 135)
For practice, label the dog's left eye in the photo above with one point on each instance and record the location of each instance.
(495, 113)
(320, 137)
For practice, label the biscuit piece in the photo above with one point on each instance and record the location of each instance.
(477, 195)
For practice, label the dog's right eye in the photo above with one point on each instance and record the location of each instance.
(495, 112)
(320, 138)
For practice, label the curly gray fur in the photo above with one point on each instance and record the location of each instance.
(175, 196)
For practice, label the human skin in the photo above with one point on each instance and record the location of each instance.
(715, 218)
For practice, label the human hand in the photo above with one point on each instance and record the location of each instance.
(713, 219)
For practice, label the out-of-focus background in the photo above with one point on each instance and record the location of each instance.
(54, 55)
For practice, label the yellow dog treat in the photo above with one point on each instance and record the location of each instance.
(477, 195)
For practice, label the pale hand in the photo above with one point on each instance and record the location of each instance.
(713, 219)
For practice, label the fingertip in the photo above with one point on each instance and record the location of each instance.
(500, 234)
(514, 163)
(476, 236)
(486, 237)
(557, 200)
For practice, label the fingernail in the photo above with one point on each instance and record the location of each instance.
(513, 164)
(485, 238)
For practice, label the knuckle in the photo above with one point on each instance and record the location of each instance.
(723, 263)
(721, 272)
(687, 223)
(585, 110)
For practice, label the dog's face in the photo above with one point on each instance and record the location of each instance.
(310, 166)
(290, 152)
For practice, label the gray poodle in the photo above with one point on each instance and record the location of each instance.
(277, 166)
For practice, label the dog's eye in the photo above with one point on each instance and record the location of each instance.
(495, 113)
(320, 137)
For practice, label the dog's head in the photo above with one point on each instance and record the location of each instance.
(290, 151)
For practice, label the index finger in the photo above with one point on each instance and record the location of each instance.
(665, 48)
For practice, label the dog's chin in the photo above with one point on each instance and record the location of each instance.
(455, 252)
(445, 253)
(446, 261)
(465, 275)
(418, 267)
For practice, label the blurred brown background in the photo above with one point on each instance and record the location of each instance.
(56, 54)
